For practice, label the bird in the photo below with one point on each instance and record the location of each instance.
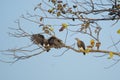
(81, 45)
(37, 39)
(55, 42)
(46, 45)
(40, 40)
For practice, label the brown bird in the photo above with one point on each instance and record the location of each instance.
(55, 42)
(40, 40)
(80, 45)
(46, 45)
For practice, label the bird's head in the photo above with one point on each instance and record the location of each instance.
(77, 39)
(45, 43)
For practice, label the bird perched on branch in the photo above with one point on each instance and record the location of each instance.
(40, 40)
(80, 45)
(55, 42)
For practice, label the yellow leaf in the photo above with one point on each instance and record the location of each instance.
(92, 42)
(87, 51)
(51, 29)
(64, 25)
(118, 31)
(111, 55)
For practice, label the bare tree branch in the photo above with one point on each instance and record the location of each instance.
(83, 17)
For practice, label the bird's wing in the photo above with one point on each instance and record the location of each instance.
(51, 40)
(37, 39)
(82, 45)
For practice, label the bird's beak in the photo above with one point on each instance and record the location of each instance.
(76, 38)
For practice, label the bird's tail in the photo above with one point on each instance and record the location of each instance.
(84, 53)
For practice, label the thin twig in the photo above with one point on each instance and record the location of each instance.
(112, 64)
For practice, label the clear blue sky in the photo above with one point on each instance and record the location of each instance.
(70, 66)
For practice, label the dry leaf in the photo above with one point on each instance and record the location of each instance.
(61, 29)
(87, 24)
(92, 42)
(41, 18)
(98, 45)
(89, 47)
(58, 14)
